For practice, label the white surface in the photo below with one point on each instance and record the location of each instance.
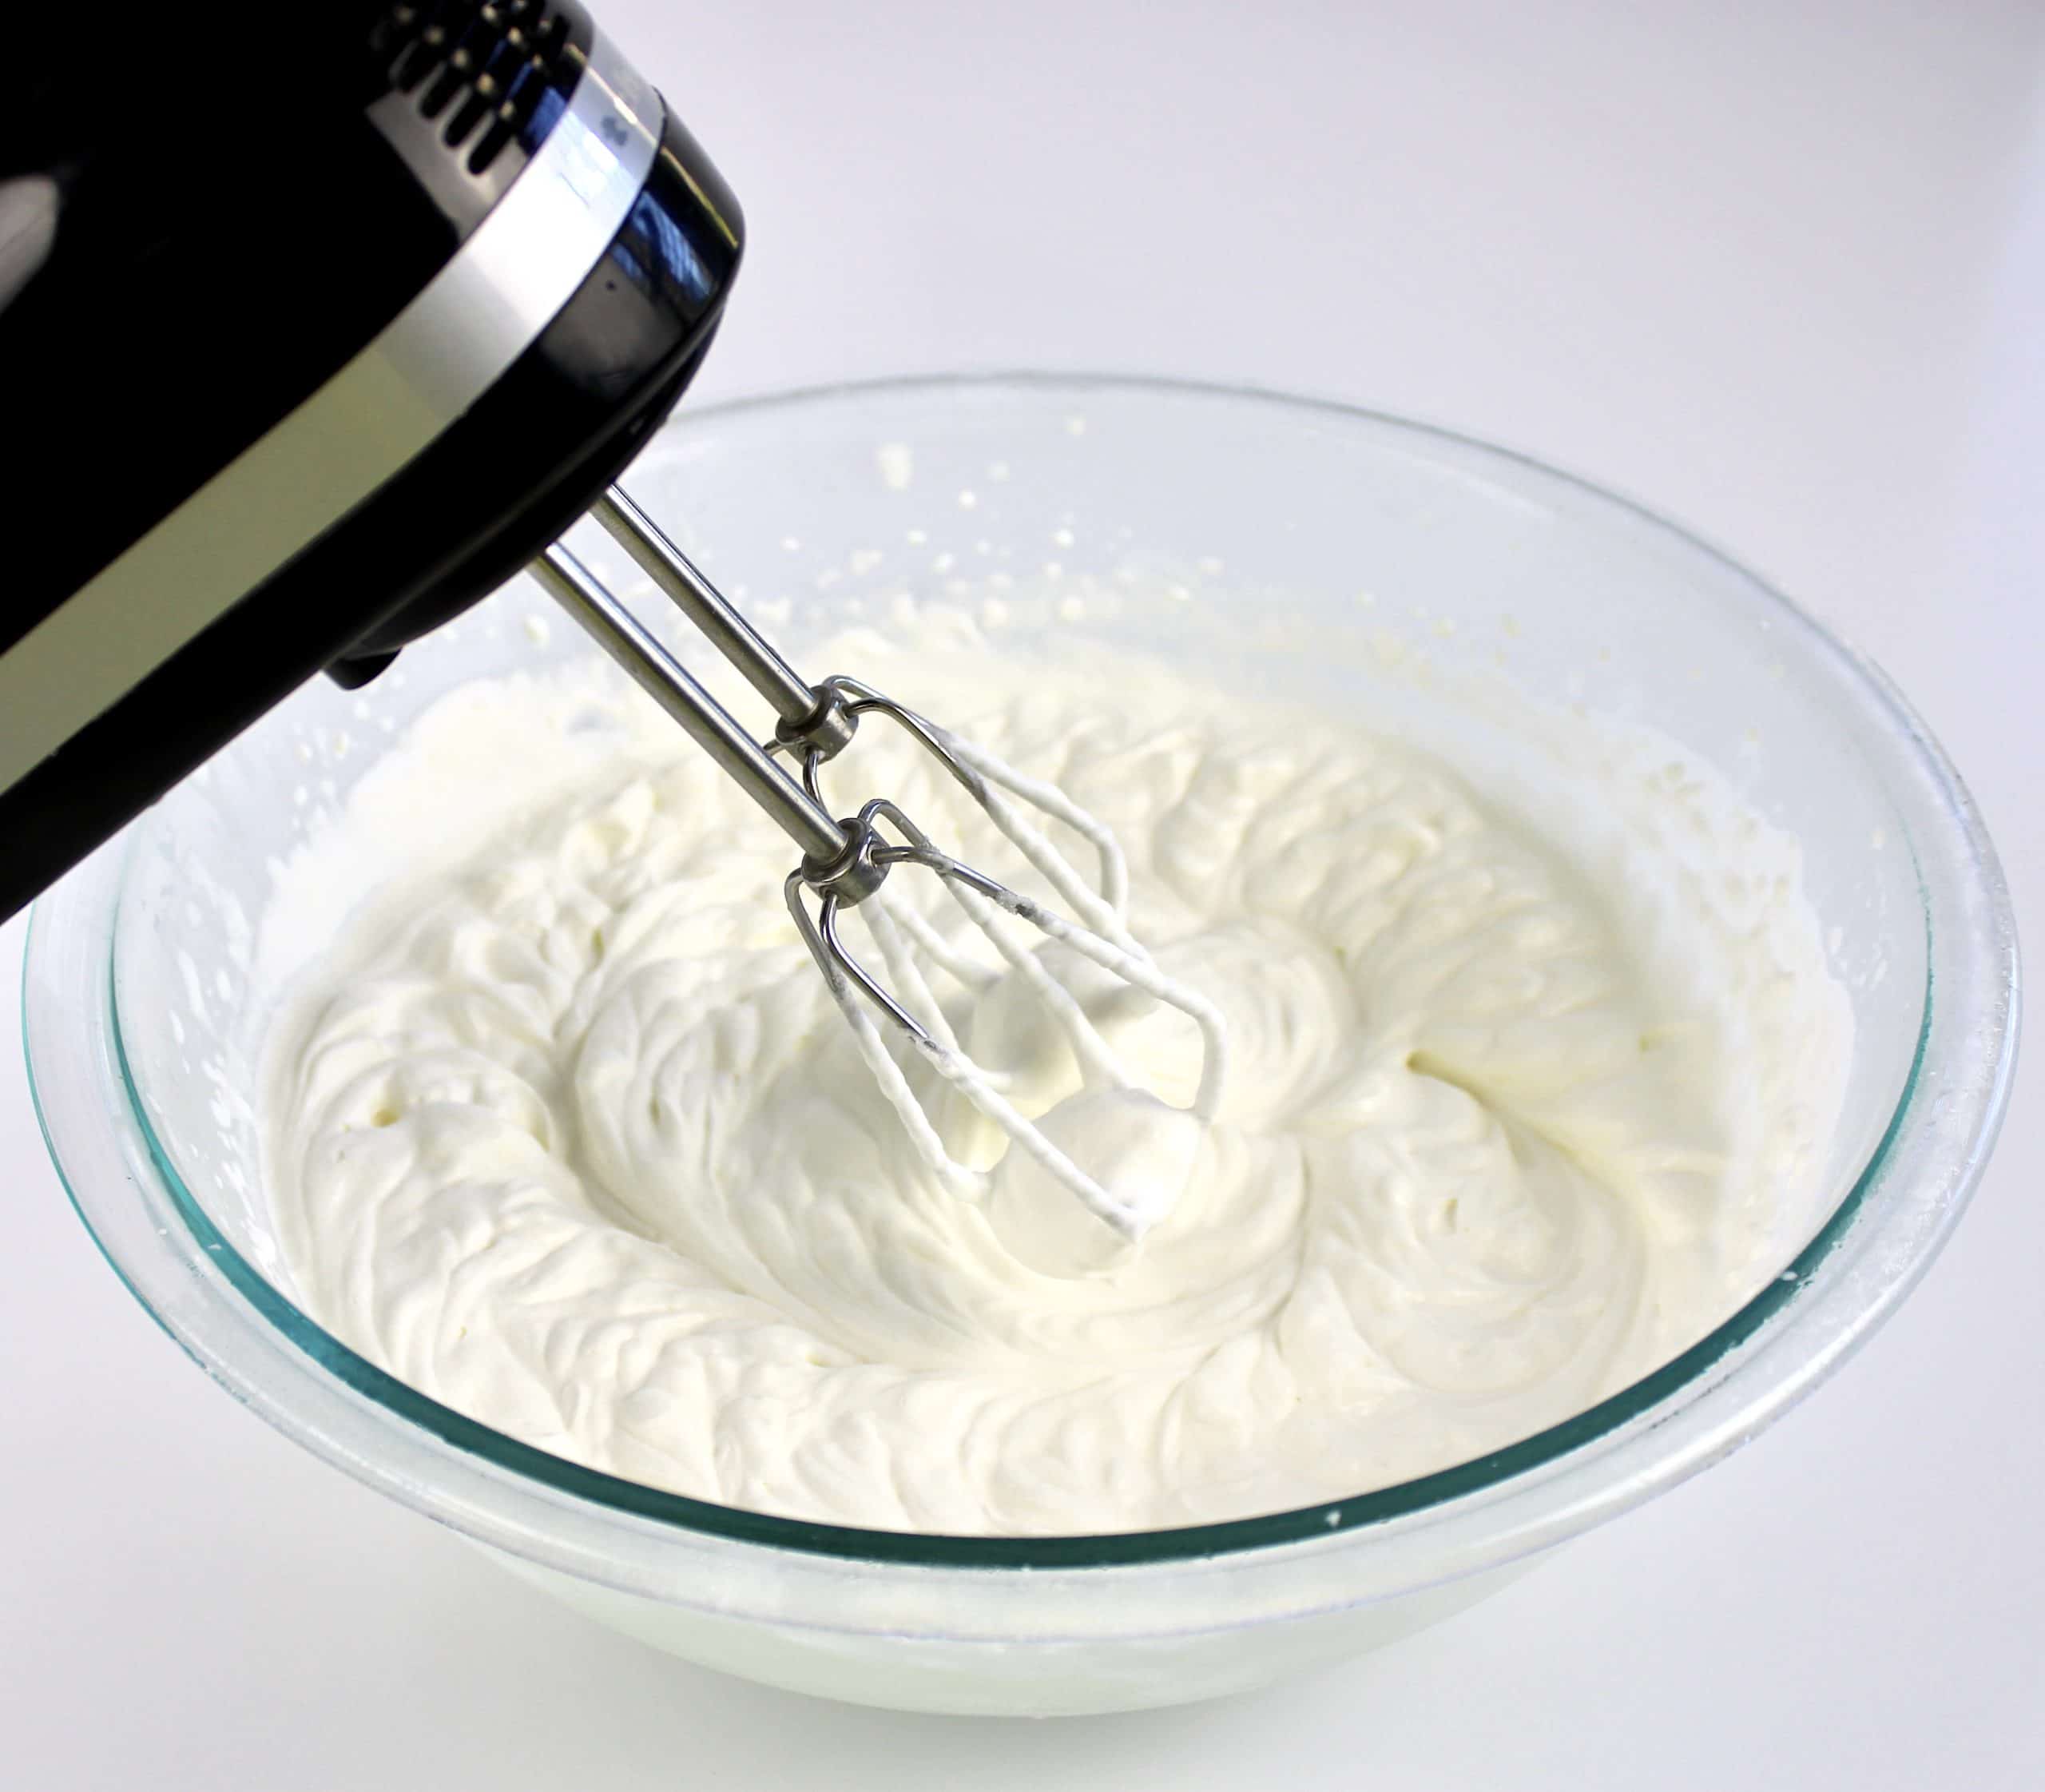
(1772, 268)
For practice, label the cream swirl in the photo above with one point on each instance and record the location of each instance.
(568, 1136)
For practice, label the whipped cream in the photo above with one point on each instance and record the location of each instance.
(563, 1128)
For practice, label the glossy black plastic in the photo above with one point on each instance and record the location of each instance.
(307, 269)
(246, 197)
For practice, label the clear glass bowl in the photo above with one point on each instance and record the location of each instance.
(1320, 554)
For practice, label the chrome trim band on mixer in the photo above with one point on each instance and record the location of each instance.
(517, 271)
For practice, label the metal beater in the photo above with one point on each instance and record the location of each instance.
(846, 864)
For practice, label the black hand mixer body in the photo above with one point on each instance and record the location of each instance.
(316, 323)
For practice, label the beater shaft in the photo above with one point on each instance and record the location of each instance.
(795, 702)
(708, 723)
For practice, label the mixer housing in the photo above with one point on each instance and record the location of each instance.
(315, 324)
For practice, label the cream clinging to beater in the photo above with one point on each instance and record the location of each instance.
(846, 865)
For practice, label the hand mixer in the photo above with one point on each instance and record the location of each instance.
(353, 307)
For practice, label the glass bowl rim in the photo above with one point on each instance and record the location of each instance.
(1993, 958)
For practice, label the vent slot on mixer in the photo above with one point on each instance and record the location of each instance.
(483, 65)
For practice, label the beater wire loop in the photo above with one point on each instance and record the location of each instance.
(847, 864)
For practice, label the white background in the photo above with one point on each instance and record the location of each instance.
(1777, 267)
